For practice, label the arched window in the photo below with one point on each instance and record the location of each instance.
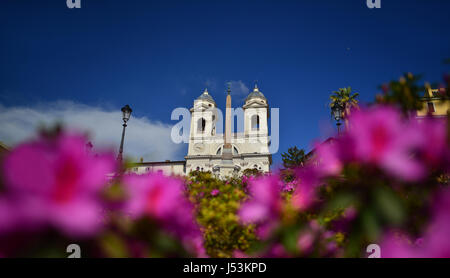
(235, 151)
(219, 151)
(201, 125)
(255, 122)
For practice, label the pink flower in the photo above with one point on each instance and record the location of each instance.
(215, 192)
(381, 137)
(328, 158)
(276, 251)
(264, 207)
(431, 140)
(161, 198)
(54, 181)
(289, 186)
(240, 255)
(199, 248)
(305, 194)
(397, 246)
(305, 241)
(433, 244)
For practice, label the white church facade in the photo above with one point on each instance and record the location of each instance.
(223, 154)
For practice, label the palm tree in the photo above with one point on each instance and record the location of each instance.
(347, 99)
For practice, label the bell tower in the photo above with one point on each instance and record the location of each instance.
(256, 113)
(202, 123)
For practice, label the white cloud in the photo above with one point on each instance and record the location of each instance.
(238, 88)
(144, 138)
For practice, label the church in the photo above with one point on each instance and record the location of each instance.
(224, 154)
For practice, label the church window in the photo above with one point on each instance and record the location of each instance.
(219, 151)
(255, 122)
(201, 125)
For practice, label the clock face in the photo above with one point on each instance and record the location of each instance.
(199, 147)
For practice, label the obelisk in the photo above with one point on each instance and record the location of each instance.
(227, 153)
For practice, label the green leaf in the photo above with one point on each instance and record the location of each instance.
(389, 205)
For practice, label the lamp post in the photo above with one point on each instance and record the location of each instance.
(336, 112)
(126, 113)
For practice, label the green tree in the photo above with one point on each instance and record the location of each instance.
(294, 157)
(404, 93)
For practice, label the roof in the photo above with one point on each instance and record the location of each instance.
(313, 151)
(255, 94)
(206, 96)
(434, 93)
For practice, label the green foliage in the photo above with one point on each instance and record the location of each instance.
(293, 158)
(346, 98)
(217, 214)
(405, 93)
(252, 172)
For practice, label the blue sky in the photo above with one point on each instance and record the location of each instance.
(159, 55)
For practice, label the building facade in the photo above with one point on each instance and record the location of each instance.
(435, 104)
(229, 153)
(168, 168)
(226, 153)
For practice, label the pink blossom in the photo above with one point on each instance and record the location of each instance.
(54, 181)
(215, 192)
(246, 180)
(305, 241)
(397, 246)
(289, 186)
(431, 140)
(240, 255)
(433, 244)
(305, 193)
(264, 207)
(381, 137)
(162, 198)
(195, 246)
(328, 158)
(277, 251)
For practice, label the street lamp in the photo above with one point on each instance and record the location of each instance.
(336, 112)
(126, 113)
